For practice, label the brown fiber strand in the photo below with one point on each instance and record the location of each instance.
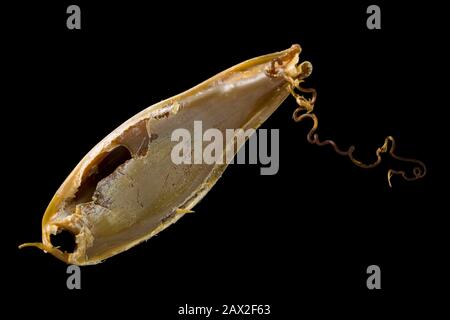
(304, 111)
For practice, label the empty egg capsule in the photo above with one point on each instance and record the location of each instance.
(127, 188)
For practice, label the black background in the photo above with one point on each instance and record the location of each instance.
(300, 240)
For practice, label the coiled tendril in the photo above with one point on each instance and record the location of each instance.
(305, 110)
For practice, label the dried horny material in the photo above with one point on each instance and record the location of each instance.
(127, 189)
(304, 111)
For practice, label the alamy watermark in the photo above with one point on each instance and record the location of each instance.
(212, 147)
(374, 280)
(74, 19)
(374, 19)
(74, 279)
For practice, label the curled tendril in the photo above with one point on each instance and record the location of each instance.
(304, 111)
